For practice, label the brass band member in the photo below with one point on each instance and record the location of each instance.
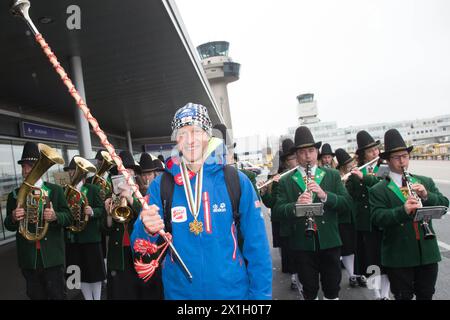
(326, 157)
(318, 256)
(84, 247)
(269, 194)
(150, 169)
(347, 231)
(123, 282)
(104, 182)
(410, 260)
(368, 236)
(42, 261)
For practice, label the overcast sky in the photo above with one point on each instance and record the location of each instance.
(365, 61)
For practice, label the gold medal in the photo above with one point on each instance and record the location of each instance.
(194, 200)
(196, 227)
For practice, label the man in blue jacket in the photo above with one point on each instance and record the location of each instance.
(203, 226)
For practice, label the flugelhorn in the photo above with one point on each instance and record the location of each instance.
(104, 184)
(77, 200)
(120, 212)
(427, 233)
(33, 227)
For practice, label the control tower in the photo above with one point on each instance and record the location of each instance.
(220, 71)
(307, 109)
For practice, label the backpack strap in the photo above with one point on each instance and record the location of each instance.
(234, 190)
(167, 187)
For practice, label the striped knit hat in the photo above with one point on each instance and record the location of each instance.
(192, 115)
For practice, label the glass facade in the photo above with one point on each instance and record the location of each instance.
(11, 173)
(213, 49)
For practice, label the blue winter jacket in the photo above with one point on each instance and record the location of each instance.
(213, 257)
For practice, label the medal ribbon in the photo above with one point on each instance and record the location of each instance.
(194, 204)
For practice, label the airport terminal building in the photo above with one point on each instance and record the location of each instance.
(133, 62)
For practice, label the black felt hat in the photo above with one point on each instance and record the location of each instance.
(287, 149)
(158, 165)
(393, 142)
(72, 165)
(326, 150)
(342, 157)
(98, 156)
(365, 141)
(30, 153)
(146, 162)
(128, 161)
(304, 139)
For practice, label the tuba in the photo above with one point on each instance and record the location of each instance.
(99, 180)
(73, 196)
(33, 227)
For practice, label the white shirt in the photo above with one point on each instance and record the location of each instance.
(313, 173)
(39, 183)
(303, 170)
(79, 185)
(397, 178)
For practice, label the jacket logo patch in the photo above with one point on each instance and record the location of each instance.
(179, 214)
(219, 208)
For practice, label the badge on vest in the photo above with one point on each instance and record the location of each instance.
(179, 214)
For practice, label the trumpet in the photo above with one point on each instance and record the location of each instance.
(77, 200)
(345, 176)
(428, 234)
(105, 185)
(33, 227)
(309, 224)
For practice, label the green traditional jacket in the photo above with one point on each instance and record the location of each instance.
(92, 232)
(403, 244)
(252, 177)
(52, 248)
(115, 256)
(359, 191)
(338, 201)
(270, 197)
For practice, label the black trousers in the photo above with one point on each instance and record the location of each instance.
(45, 284)
(126, 285)
(419, 281)
(368, 251)
(323, 266)
(287, 260)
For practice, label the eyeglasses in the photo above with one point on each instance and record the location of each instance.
(402, 156)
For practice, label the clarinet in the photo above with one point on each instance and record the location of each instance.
(310, 218)
(428, 234)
